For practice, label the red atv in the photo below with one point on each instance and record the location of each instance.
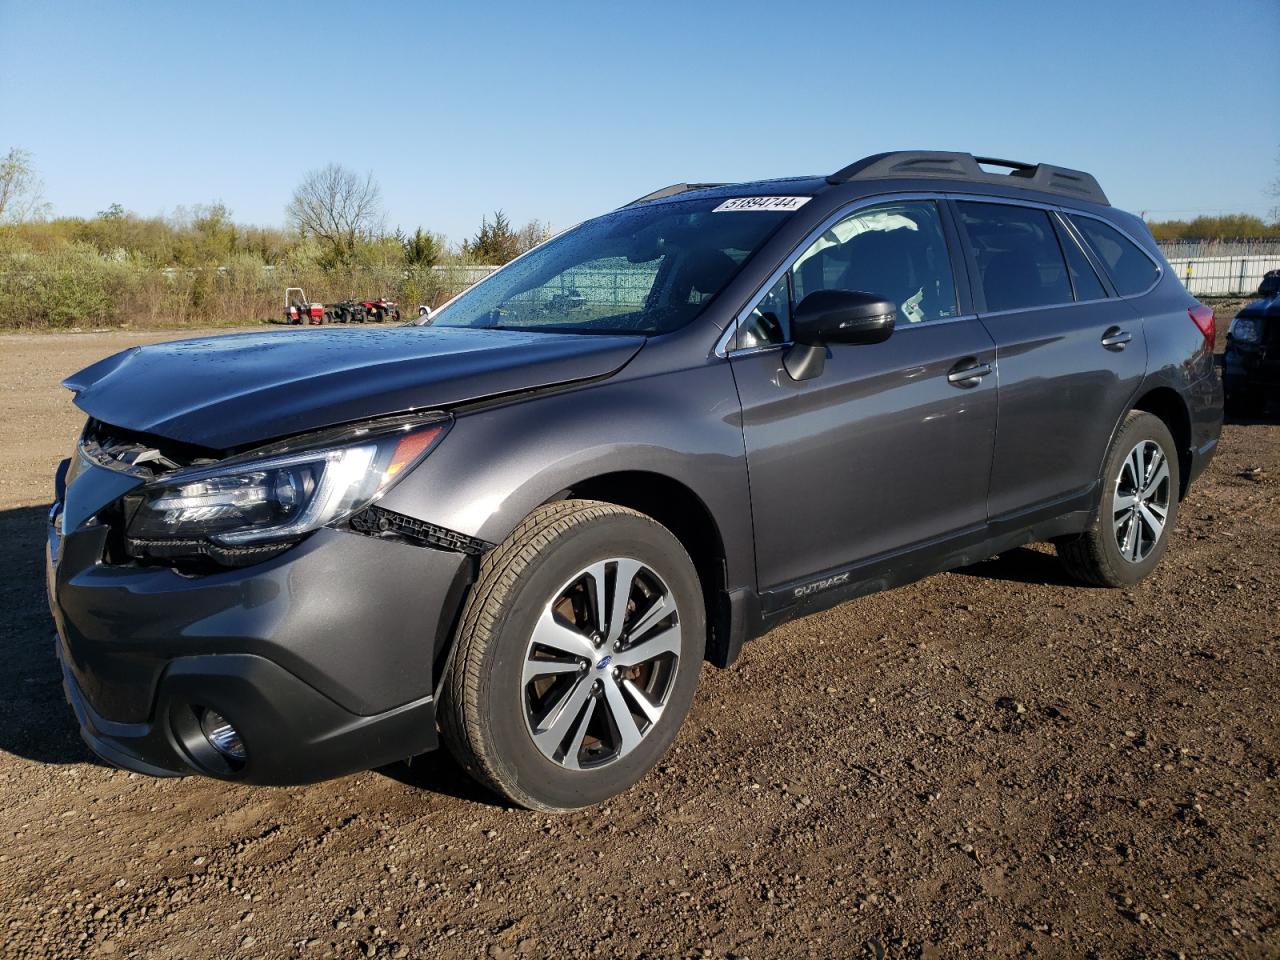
(298, 309)
(381, 309)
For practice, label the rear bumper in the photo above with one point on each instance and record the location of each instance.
(1204, 400)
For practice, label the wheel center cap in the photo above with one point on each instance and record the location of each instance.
(603, 663)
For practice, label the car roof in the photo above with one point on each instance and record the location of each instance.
(782, 186)
(921, 167)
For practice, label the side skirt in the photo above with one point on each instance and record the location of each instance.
(756, 614)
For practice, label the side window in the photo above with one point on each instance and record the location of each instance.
(1083, 277)
(897, 250)
(1019, 261)
(770, 320)
(1132, 271)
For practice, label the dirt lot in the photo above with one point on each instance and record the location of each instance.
(989, 762)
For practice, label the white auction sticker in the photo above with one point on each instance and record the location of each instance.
(762, 203)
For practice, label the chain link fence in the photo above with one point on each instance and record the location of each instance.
(1221, 268)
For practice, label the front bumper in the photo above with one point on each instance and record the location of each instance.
(293, 734)
(323, 657)
(1251, 367)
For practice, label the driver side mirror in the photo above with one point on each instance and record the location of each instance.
(835, 316)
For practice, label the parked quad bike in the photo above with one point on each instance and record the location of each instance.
(298, 310)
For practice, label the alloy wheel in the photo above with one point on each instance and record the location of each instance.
(1140, 503)
(601, 664)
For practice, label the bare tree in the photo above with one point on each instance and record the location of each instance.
(532, 233)
(338, 207)
(21, 192)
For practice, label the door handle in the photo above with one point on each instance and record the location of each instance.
(968, 376)
(1116, 339)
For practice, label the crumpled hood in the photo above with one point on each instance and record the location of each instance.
(1265, 309)
(231, 391)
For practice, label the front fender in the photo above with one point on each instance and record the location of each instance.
(499, 463)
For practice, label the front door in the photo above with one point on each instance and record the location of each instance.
(890, 446)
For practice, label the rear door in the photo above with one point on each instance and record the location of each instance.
(1069, 354)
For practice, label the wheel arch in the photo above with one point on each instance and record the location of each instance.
(1169, 406)
(678, 508)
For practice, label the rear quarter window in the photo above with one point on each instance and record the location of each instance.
(1132, 271)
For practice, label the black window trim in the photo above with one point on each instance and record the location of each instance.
(1065, 236)
(1072, 235)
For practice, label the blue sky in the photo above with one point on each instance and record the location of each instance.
(557, 111)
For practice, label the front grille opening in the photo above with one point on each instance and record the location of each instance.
(140, 454)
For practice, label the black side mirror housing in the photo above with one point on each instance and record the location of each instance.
(835, 316)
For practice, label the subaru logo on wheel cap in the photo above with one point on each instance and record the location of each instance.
(604, 662)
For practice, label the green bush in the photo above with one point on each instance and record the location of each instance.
(199, 267)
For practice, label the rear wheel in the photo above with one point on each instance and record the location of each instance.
(577, 657)
(1136, 512)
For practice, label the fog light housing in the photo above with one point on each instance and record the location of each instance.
(222, 736)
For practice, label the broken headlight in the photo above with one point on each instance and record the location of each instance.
(1245, 330)
(276, 495)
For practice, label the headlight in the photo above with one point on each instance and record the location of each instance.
(1245, 330)
(278, 494)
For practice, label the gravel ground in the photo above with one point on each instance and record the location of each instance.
(992, 761)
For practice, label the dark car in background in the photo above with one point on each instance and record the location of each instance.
(525, 522)
(1251, 361)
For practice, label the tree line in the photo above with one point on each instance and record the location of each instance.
(1231, 226)
(198, 265)
(335, 219)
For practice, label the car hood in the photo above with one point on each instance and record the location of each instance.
(225, 392)
(1266, 309)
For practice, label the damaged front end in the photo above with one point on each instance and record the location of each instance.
(1251, 362)
(192, 509)
(260, 591)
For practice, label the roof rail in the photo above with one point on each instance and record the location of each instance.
(938, 164)
(671, 191)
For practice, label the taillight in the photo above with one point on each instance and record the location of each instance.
(1202, 317)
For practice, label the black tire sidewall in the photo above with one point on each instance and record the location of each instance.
(1145, 426)
(521, 763)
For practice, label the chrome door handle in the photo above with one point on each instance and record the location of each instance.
(1115, 338)
(968, 376)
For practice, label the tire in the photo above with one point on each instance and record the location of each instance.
(1120, 552)
(490, 710)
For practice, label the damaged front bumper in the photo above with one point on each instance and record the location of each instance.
(324, 658)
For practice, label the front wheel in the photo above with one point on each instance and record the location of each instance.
(1137, 510)
(577, 657)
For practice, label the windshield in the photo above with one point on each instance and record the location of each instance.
(647, 269)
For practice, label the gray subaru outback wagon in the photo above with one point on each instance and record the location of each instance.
(522, 524)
